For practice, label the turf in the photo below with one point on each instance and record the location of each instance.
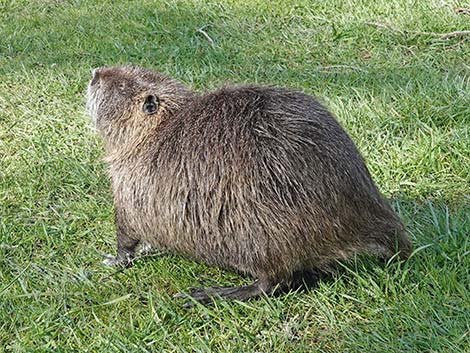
(400, 88)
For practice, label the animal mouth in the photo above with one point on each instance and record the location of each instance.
(91, 105)
(93, 93)
(95, 77)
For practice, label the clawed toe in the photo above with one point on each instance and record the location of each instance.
(200, 295)
(114, 261)
(180, 295)
(110, 260)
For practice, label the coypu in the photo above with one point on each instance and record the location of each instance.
(260, 180)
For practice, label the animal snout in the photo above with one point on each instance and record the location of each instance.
(95, 76)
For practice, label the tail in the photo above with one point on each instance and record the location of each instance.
(389, 238)
(402, 244)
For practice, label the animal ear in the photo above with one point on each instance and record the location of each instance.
(151, 104)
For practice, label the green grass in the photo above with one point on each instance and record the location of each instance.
(403, 95)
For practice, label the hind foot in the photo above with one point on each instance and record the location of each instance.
(206, 295)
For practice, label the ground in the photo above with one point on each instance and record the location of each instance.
(397, 83)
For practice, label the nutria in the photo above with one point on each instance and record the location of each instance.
(260, 180)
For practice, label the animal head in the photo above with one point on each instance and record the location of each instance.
(127, 101)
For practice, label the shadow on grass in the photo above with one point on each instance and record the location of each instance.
(203, 46)
(436, 231)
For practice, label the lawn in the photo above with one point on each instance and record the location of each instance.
(386, 69)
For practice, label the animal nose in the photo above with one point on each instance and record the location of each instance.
(95, 75)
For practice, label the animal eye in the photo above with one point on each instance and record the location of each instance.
(150, 105)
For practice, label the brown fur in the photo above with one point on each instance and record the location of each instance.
(261, 180)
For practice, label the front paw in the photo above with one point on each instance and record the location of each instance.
(146, 249)
(125, 261)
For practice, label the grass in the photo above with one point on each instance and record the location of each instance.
(401, 91)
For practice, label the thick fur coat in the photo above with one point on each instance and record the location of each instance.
(260, 180)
